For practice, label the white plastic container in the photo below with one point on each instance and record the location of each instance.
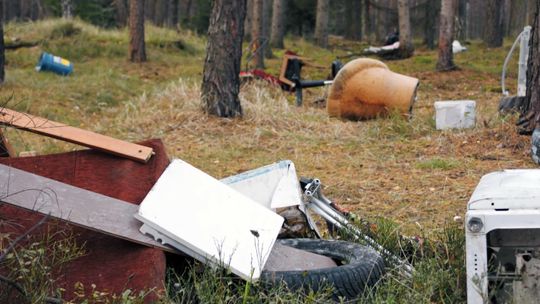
(457, 114)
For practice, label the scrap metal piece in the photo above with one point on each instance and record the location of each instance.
(77, 206)
(216, 223)
(323, 206)
(74, 135)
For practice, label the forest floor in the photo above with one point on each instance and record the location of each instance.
(403, 170)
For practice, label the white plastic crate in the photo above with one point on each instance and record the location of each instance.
(457, 114)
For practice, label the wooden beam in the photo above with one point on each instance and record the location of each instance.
(77, 206)
(74, 135)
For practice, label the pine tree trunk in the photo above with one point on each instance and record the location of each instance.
(121, 12)
(149, 10)
(446, 36)
(353, 17)
(67, 9)
(160, 12)
(321, 25)
(2, 50)
(256, 33)
(221, 81)
(493, 30)
(137, 50)
(278, 23)
(172, 16)
(267, 22)
(406, 48)
(248, 20)
(431, 12)
(533, 68)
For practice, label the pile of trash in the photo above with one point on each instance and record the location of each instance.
(129, 205)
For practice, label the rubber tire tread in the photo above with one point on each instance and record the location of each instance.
(362, 267)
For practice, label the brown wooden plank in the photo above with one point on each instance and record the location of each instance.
(70, 134)
(77, 206)
(6, 149)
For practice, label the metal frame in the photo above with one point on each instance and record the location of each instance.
(317, 202)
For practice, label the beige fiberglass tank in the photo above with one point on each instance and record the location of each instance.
(366, 88)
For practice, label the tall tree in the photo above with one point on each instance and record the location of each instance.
(67, 9)
(2, 50)
(493, 30)
(221, 81)
(530, 116)
(267, 22)
(247, 20)
(446, 36)
(431, 13)
(257, 25)
(321, 24)
(278, 23)
(353, 19)
(406, 48)
(137, 49)
(121, 12)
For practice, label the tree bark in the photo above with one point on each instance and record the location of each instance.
(121, 12)
(278, 23)
(533, 70)
(172, 16)
(248, 20)
(267, 22)
(431, 13)
(221, 81)
(446, 36)
(493, 29)
(321, 25)
(2, 50)
(353, 17)
(67, 9)
(256, 33)
(137, 49)
(406, 48)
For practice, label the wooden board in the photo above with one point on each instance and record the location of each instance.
(214, 222)
(75, 205)
(74, 135)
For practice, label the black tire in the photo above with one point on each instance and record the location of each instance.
(360, 268)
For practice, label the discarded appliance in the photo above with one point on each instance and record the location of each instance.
(456, 114)
(290, 75)
(502, 230)
(510, 103)
(386, 50)
(290, 78)
(208, 220)
(366, 88)
(74, 135)
(273, 186)
(457, 47)
(55, 64)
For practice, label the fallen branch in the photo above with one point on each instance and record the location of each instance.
(21, 44)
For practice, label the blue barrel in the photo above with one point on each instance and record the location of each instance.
(58, 65)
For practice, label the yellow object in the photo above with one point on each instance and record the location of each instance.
(64, 61)
(366, 88)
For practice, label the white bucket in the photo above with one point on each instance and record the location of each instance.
(457, 114)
